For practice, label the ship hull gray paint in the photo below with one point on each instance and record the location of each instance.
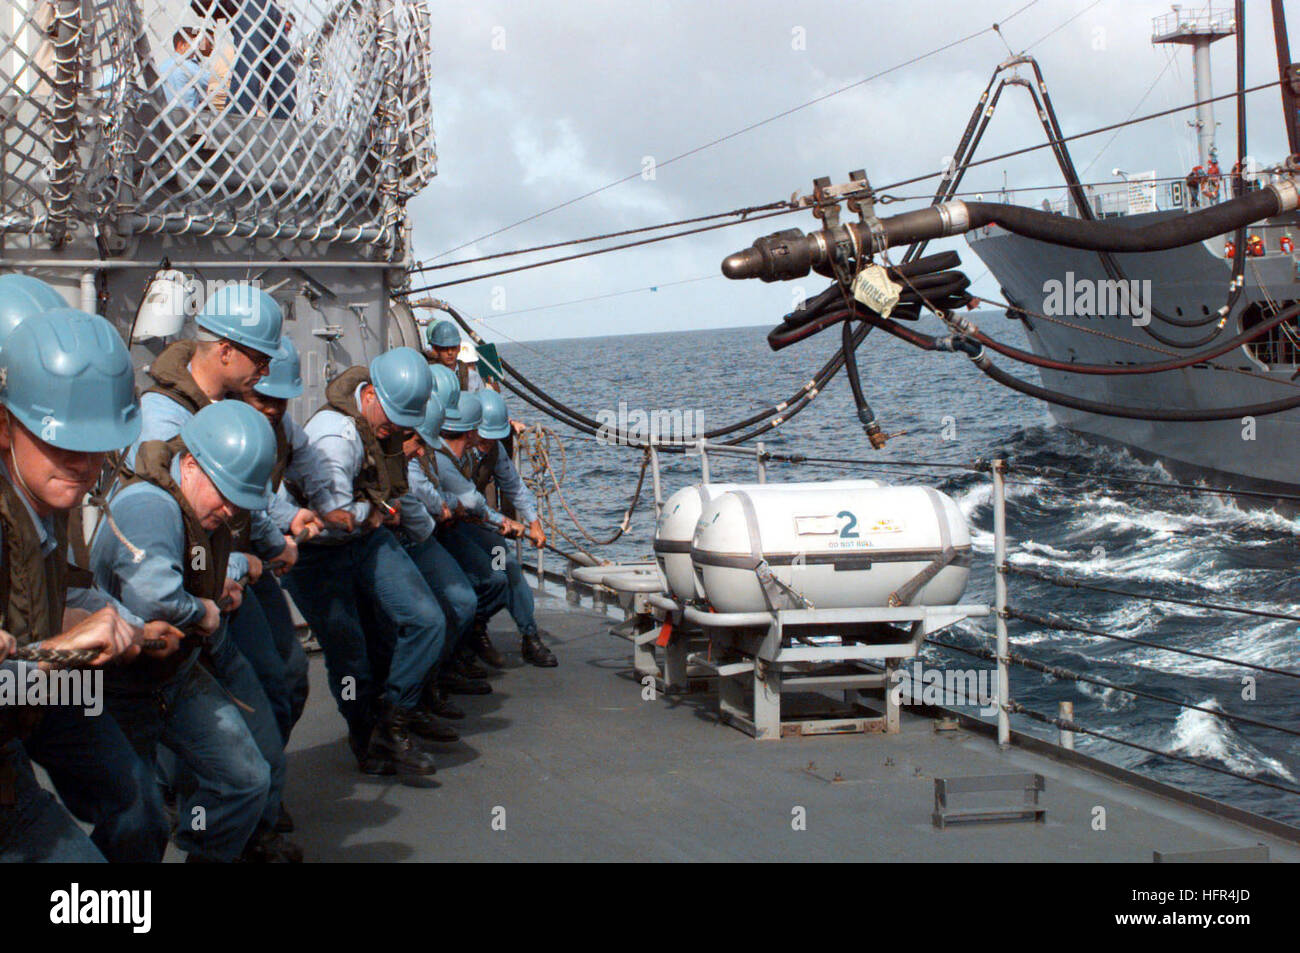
(1194, 279)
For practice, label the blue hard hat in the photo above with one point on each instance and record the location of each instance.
(21, 296)
(402, 381)
(442, 334)
(284, 377)
(235, 446)
(246, 315)
(495, 424)
(468, 414)
(432, 424)
(67, 377)
(447, 386)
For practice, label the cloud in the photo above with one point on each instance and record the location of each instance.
(536, 104)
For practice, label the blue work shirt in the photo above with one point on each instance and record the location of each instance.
(422, 505)
(340, 454)
(184, 81)
(306, 470)
(161, 418)
(153, 588)
(91, 600)
(456, 489)
(511, 486)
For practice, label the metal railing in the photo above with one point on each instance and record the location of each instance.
(1003, 654)
(1194, 22)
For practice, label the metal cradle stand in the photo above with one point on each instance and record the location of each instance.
(647, 610)
(761, 657)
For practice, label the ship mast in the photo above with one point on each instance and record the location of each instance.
(1197, 30)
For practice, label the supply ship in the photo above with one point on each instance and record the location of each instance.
(1185, 290)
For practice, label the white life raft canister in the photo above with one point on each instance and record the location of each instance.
(831, 547)
(681, 511)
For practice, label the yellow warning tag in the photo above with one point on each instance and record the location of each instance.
(874, 289)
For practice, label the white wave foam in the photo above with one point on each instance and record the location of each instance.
(1197, 734)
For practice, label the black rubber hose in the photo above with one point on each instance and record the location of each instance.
(781, 336)
(1132, 413)
(1100, 236)
(791, 254)
(930, 273)
(570, 417)
(1055, 135)
(1244, 337)
(975, 351)
(865, 414)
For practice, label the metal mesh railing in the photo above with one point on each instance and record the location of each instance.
(268, 118)
(51, 173)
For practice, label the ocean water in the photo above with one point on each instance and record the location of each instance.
(1141, 539)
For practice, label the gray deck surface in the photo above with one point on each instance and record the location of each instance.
(585, 770)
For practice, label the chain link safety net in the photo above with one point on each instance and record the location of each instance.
(282, 119)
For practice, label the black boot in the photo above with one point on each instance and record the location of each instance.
(284, 822)
(535, 651)
(469, 668)
(391, 742)
(423, 724)
(268, 847)
(483, 646)
(359, 742)
(453, 683)
(438, 703)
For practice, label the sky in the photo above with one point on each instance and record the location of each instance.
(539, 103)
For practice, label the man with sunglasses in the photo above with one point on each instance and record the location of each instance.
(238, 335)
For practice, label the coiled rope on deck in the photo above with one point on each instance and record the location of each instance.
(537, 444)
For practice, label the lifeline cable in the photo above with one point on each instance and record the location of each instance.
(1067, 626)
(1156, 484)
(1067, 725)
(1068, 583)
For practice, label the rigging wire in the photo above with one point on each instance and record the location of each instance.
(740, 132)
(612, 294)
(1150, 90)
(1083, 135)
(1051, 143)
(742, 212)
(589, 254)
(1065, 626)
(1058, 29)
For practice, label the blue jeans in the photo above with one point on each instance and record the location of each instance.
(263, 74)
(462, 601)
(236, 676)
(195, 718)
(36, 827)
(103, 782)
(329, 583)
(497, 549)
(264, 633)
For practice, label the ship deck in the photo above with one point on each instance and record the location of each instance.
(587, 771)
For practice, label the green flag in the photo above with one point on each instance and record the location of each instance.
(489, 364)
